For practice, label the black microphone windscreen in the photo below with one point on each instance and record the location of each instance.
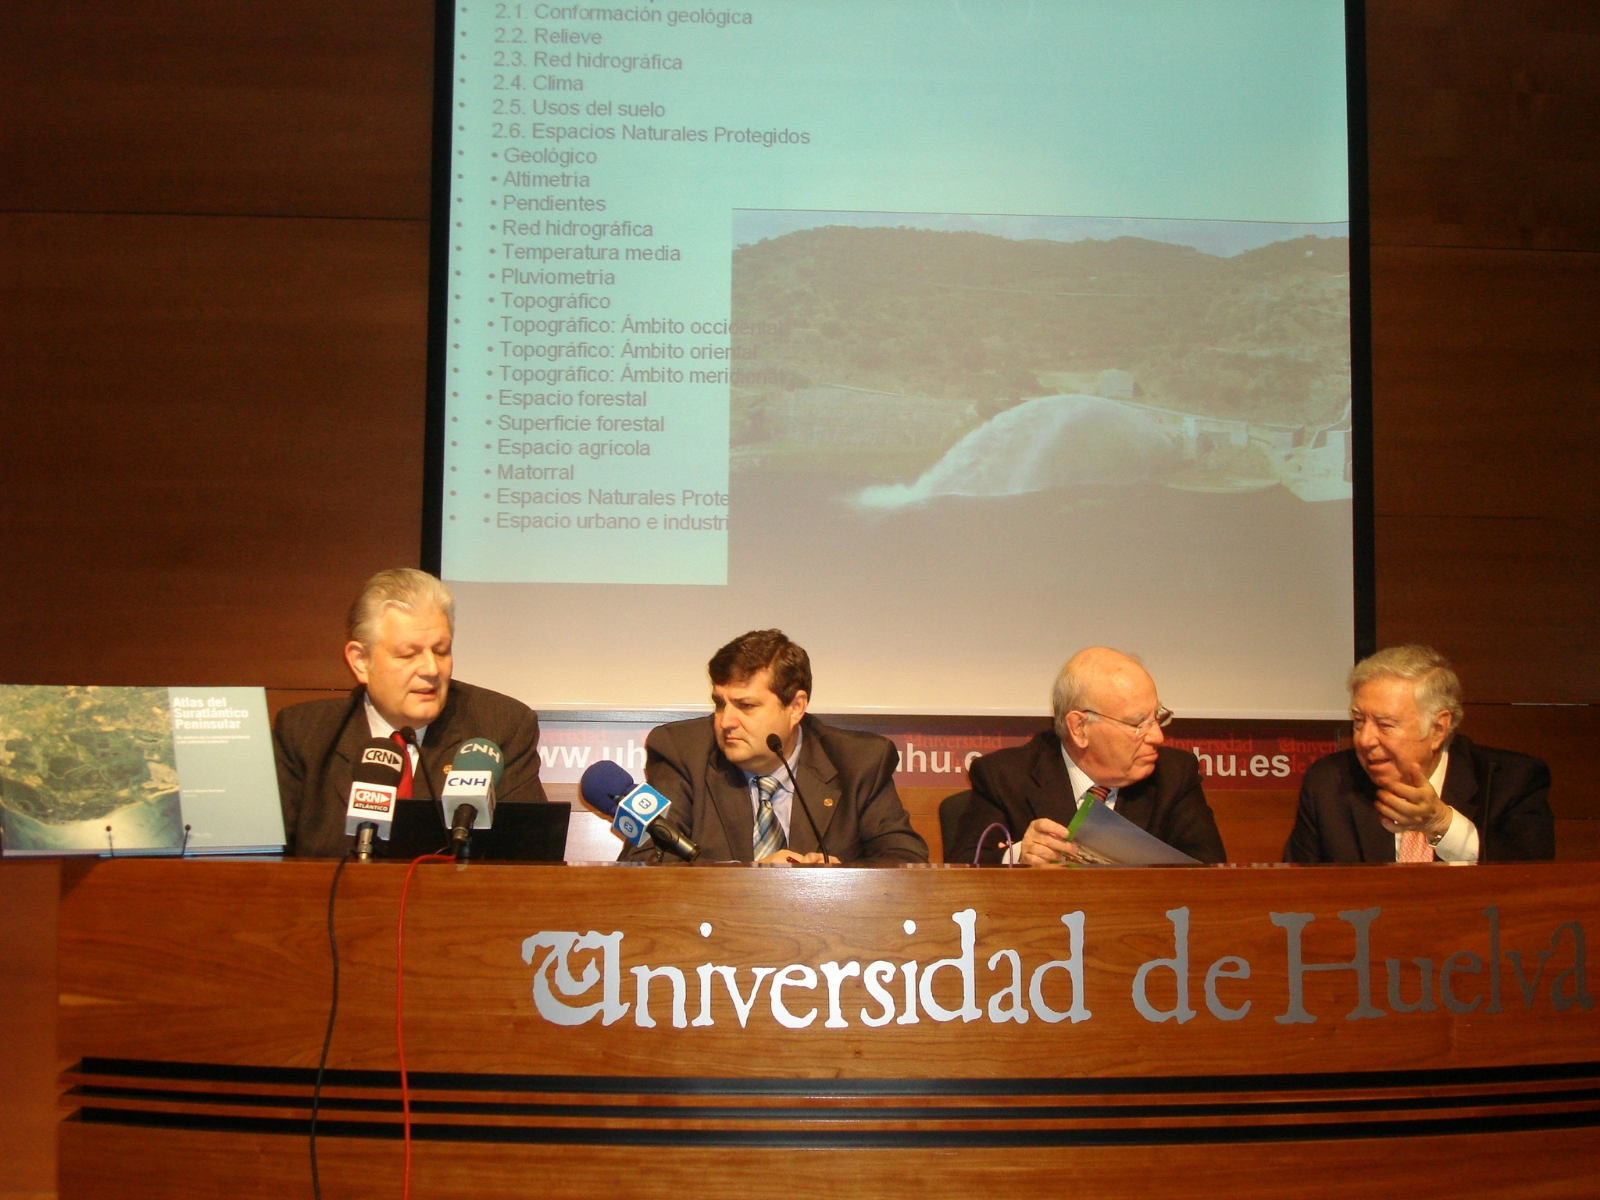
(775, 744)
(379, 762)
(603, 784)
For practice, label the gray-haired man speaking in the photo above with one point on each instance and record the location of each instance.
(1411, 789)
(400, 633)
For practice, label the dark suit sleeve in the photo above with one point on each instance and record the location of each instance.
(520, 782)
(1305, 839)
(665, 771)
(292, 773)
(1190, 825)
(982, 811)
(1523, 827)
(883, 829)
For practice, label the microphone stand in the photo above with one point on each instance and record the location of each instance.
(775, 744)
(408, 735)
(1483, 829)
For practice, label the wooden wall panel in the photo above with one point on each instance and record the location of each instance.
(1484, 134)
(223, 428)
(190, 106)
(279, 699)
(1486, 371)
(1511, 602)
(1484, 122)
(1567, 737)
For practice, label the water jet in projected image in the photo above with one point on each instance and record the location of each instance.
(1047, 442)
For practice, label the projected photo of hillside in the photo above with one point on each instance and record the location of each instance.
(1016, 436)
(991, 356)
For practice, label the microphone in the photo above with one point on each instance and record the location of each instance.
(637, 813)
(775, 744)
(468, 798)
(374, 782)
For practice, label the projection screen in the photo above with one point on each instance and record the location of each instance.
(948, 337)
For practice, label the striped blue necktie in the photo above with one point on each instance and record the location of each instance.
(769, 837)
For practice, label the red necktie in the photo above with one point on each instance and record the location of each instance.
(403, 792)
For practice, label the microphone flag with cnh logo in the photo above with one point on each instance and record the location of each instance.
(474, 774)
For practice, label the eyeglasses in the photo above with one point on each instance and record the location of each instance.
(1161, 717)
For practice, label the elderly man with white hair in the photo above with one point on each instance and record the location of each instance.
(1107, 744)
(1411, 789)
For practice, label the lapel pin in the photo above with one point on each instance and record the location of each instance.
(827, 802)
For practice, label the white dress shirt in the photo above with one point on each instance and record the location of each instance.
(783, 798)
(1081, 784)
(382, 730)
(1460, 841)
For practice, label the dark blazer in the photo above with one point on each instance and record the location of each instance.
(846, 783)
(1338, 822)
(1019, 785)
(315, 744)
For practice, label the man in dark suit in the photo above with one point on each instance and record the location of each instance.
(1107, 743)
(401, 628)
(1411, 789)
(734, 796)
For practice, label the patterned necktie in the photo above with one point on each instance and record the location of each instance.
(1414, 847)
(769, 834)
(403, 792)
(1095, 793)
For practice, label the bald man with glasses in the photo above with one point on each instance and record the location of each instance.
(1107, 743)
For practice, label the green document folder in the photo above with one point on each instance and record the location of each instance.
(1119, 840)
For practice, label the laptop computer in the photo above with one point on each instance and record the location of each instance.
(528, 833)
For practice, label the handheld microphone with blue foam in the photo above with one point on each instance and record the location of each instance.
(775, 744)
(636, 812)
(374, 783)
(468, 798)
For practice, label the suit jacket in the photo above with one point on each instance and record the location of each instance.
(316, 744)
(1019, 785)
(1338, 822)
(846, 783)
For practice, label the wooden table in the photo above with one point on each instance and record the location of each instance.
(941, 1031)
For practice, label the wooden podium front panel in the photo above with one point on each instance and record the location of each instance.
(1546, 1166)
(544, 1024)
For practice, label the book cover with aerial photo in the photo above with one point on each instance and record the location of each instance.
(136, 770)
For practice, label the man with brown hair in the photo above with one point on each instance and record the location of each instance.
(736, 797)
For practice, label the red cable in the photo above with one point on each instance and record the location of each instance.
(399, 1010)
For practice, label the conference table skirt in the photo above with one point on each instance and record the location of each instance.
(594, 1030)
